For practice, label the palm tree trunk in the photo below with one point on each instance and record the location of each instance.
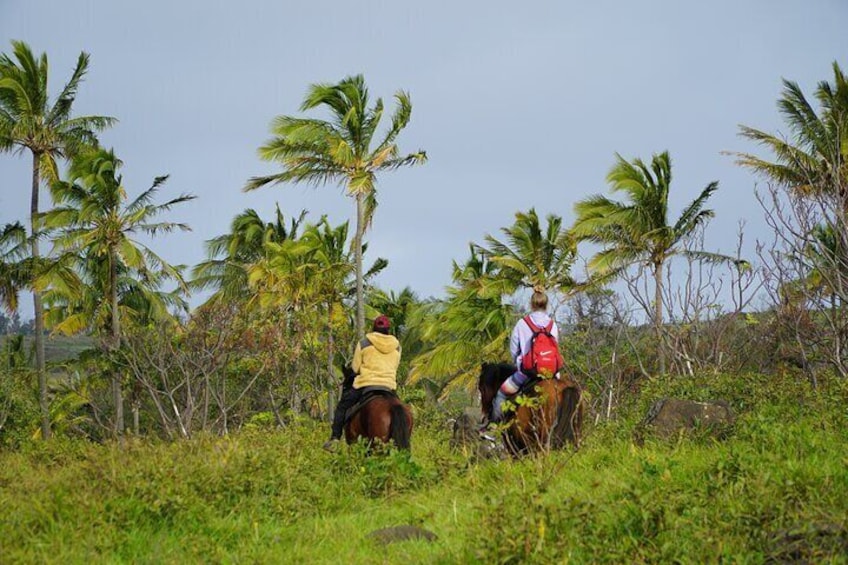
(331, 353)
(116, 343)
(360, 229)
(39, 310)
(658, 312)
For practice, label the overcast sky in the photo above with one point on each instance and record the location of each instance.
(518, 104)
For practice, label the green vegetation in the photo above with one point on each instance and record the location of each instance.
(340, 151)
(28, 122)
(272, 496)
(220, 461)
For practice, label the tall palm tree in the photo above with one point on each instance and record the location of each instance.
(97, 226)
(533, 258)
(29, 122)
(342, 150)
(814, 159)
(231, 254)
(638, 230)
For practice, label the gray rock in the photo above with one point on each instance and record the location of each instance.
(670, 416)
(406, 532)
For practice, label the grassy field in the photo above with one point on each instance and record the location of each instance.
(776, 489)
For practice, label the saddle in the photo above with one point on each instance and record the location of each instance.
(368, 394)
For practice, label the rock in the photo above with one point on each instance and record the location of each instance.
(808, 543)
(468, 439)
(466, 429)
(670, 416)
(401, 533)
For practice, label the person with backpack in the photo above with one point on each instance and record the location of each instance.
(375, 363)
(535, 349)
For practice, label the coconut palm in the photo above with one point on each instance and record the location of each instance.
(814, 159)
(29, 122)
(471, 326)
(638, 231)
(96, 228)
(343, 151)
(531, 258)
(231, 254)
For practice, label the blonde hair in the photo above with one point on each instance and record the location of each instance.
(539, 301)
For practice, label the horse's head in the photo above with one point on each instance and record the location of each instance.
(492, 376)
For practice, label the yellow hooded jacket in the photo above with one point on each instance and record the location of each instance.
(376, 360)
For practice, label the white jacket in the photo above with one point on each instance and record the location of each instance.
(519, 341)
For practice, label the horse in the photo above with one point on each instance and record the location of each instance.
(552, 416)
(381, 417)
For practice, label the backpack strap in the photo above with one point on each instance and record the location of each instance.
(538, 329)
(533, 327)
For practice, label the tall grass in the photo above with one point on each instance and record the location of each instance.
(778, 485)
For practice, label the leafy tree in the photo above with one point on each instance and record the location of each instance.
(340, 151)
(29, 122)
(637, 230)
(96, 233)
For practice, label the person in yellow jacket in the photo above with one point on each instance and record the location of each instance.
(375, 363)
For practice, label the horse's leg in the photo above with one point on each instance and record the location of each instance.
(353, 429)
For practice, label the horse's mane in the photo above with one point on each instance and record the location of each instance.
(492, 375)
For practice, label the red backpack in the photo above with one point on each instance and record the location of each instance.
(543, 357)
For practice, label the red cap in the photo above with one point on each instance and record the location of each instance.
(381, 322)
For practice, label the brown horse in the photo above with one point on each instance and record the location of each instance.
(383, 418)
(549, 415)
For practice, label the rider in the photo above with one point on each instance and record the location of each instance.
(375, 363)
(519, 344)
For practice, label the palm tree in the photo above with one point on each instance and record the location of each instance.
(29, 122)
(12, 243)
(814, 160)
(331, 269)
(811, 163)
(637, 230)
(97, 226)
(340, 151)
(471, 326)
(230, 255)
(531, 258)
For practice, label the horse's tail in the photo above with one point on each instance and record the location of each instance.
(569, 417)
(400, 429)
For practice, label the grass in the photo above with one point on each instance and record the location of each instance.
(272, 496)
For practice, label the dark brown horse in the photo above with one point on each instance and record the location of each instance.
(549, 415)
(384, 417)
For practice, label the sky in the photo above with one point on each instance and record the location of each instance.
(518, 105)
